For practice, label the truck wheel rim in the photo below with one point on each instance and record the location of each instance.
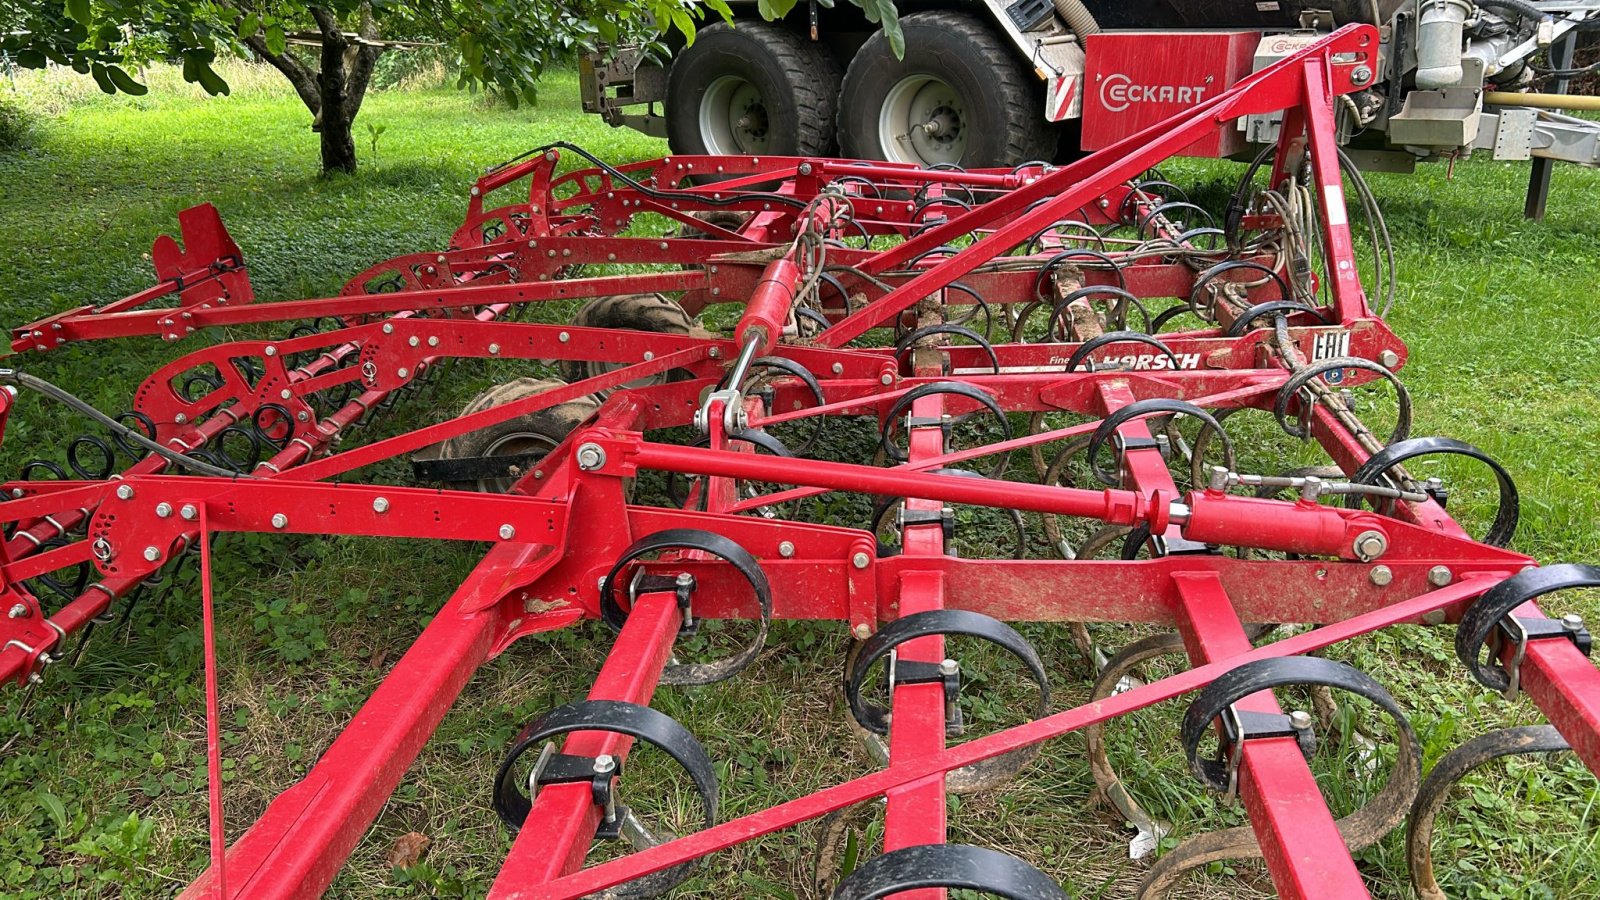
(923, 121)
(733, 118)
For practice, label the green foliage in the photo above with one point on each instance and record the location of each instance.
(16, 125)
(502, 45)
(880, 12)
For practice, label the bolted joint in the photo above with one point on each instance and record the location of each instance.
(1381, 576)
(860, 560)
(590, 457)
(189, 512)
(1369, 545)
(507, 532)
(380, 504)
(163, 510)
(18, 611)
(151, 554)
(1440, 576)
(280, 521)
(124, 492)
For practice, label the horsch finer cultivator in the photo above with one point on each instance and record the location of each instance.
(1007, 297)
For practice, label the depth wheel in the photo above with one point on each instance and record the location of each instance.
(634, 312)
(752, 90)
(535, 433)
(959, 97)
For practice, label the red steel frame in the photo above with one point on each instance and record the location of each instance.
(555, 534)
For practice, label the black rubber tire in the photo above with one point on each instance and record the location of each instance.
(545, 427)
(798, 81)
(635, 312)
(1006, 123)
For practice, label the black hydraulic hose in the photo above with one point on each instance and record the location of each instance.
(60, 395)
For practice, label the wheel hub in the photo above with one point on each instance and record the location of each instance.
(734, 118)
(923, 121)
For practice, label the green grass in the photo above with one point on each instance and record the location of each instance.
(102, 793)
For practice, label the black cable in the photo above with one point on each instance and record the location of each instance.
(657, 193)
(39, 385)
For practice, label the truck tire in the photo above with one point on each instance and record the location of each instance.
(960, 77)
(751, 90)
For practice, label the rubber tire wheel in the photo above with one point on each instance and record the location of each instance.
(633, 312)
(554, 423)
(1005, 122)
(798, 80)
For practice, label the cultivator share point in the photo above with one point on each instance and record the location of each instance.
(970, 314)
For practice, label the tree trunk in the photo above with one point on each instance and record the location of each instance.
(338, 143)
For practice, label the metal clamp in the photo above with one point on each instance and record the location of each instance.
(1488, 622)
(875, 718)
(720, 547)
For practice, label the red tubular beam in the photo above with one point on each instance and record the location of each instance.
(1299, 838)
(564, 817)
(298, 845)
(1116, 507)
(916, 812)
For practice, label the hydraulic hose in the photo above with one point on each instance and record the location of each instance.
(1077, 17)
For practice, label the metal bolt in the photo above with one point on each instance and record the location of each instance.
(303, 416)
(380, 504)
(433, 340)
(786, 549)
(180, 418)
(838, 368)
(494, 349)
(18, 492)
(860, 560)
(1389, 359)
(388, 328)
(590, 456)
(1300, 720)
(188, 512)
(163, 510)
(1572, 622)
(1219, 478)
(280, 521)
(20, 611)
(563, 337)
(1369, 545)
(1433, 617)
(861, 632)
(649, 355)
(604, 764)
(285, 394)
(271, 350)
(1439, 576)
(507, 532)
(124, 492)
(886, 379)
(151, 554)
(1381, 576)
(805, 168)
(404, 372)
(1312, 489)
(949, 667)
(1360, 75)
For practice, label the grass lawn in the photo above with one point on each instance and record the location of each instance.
(102, 792)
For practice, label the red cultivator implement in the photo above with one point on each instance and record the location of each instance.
(980, 319)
